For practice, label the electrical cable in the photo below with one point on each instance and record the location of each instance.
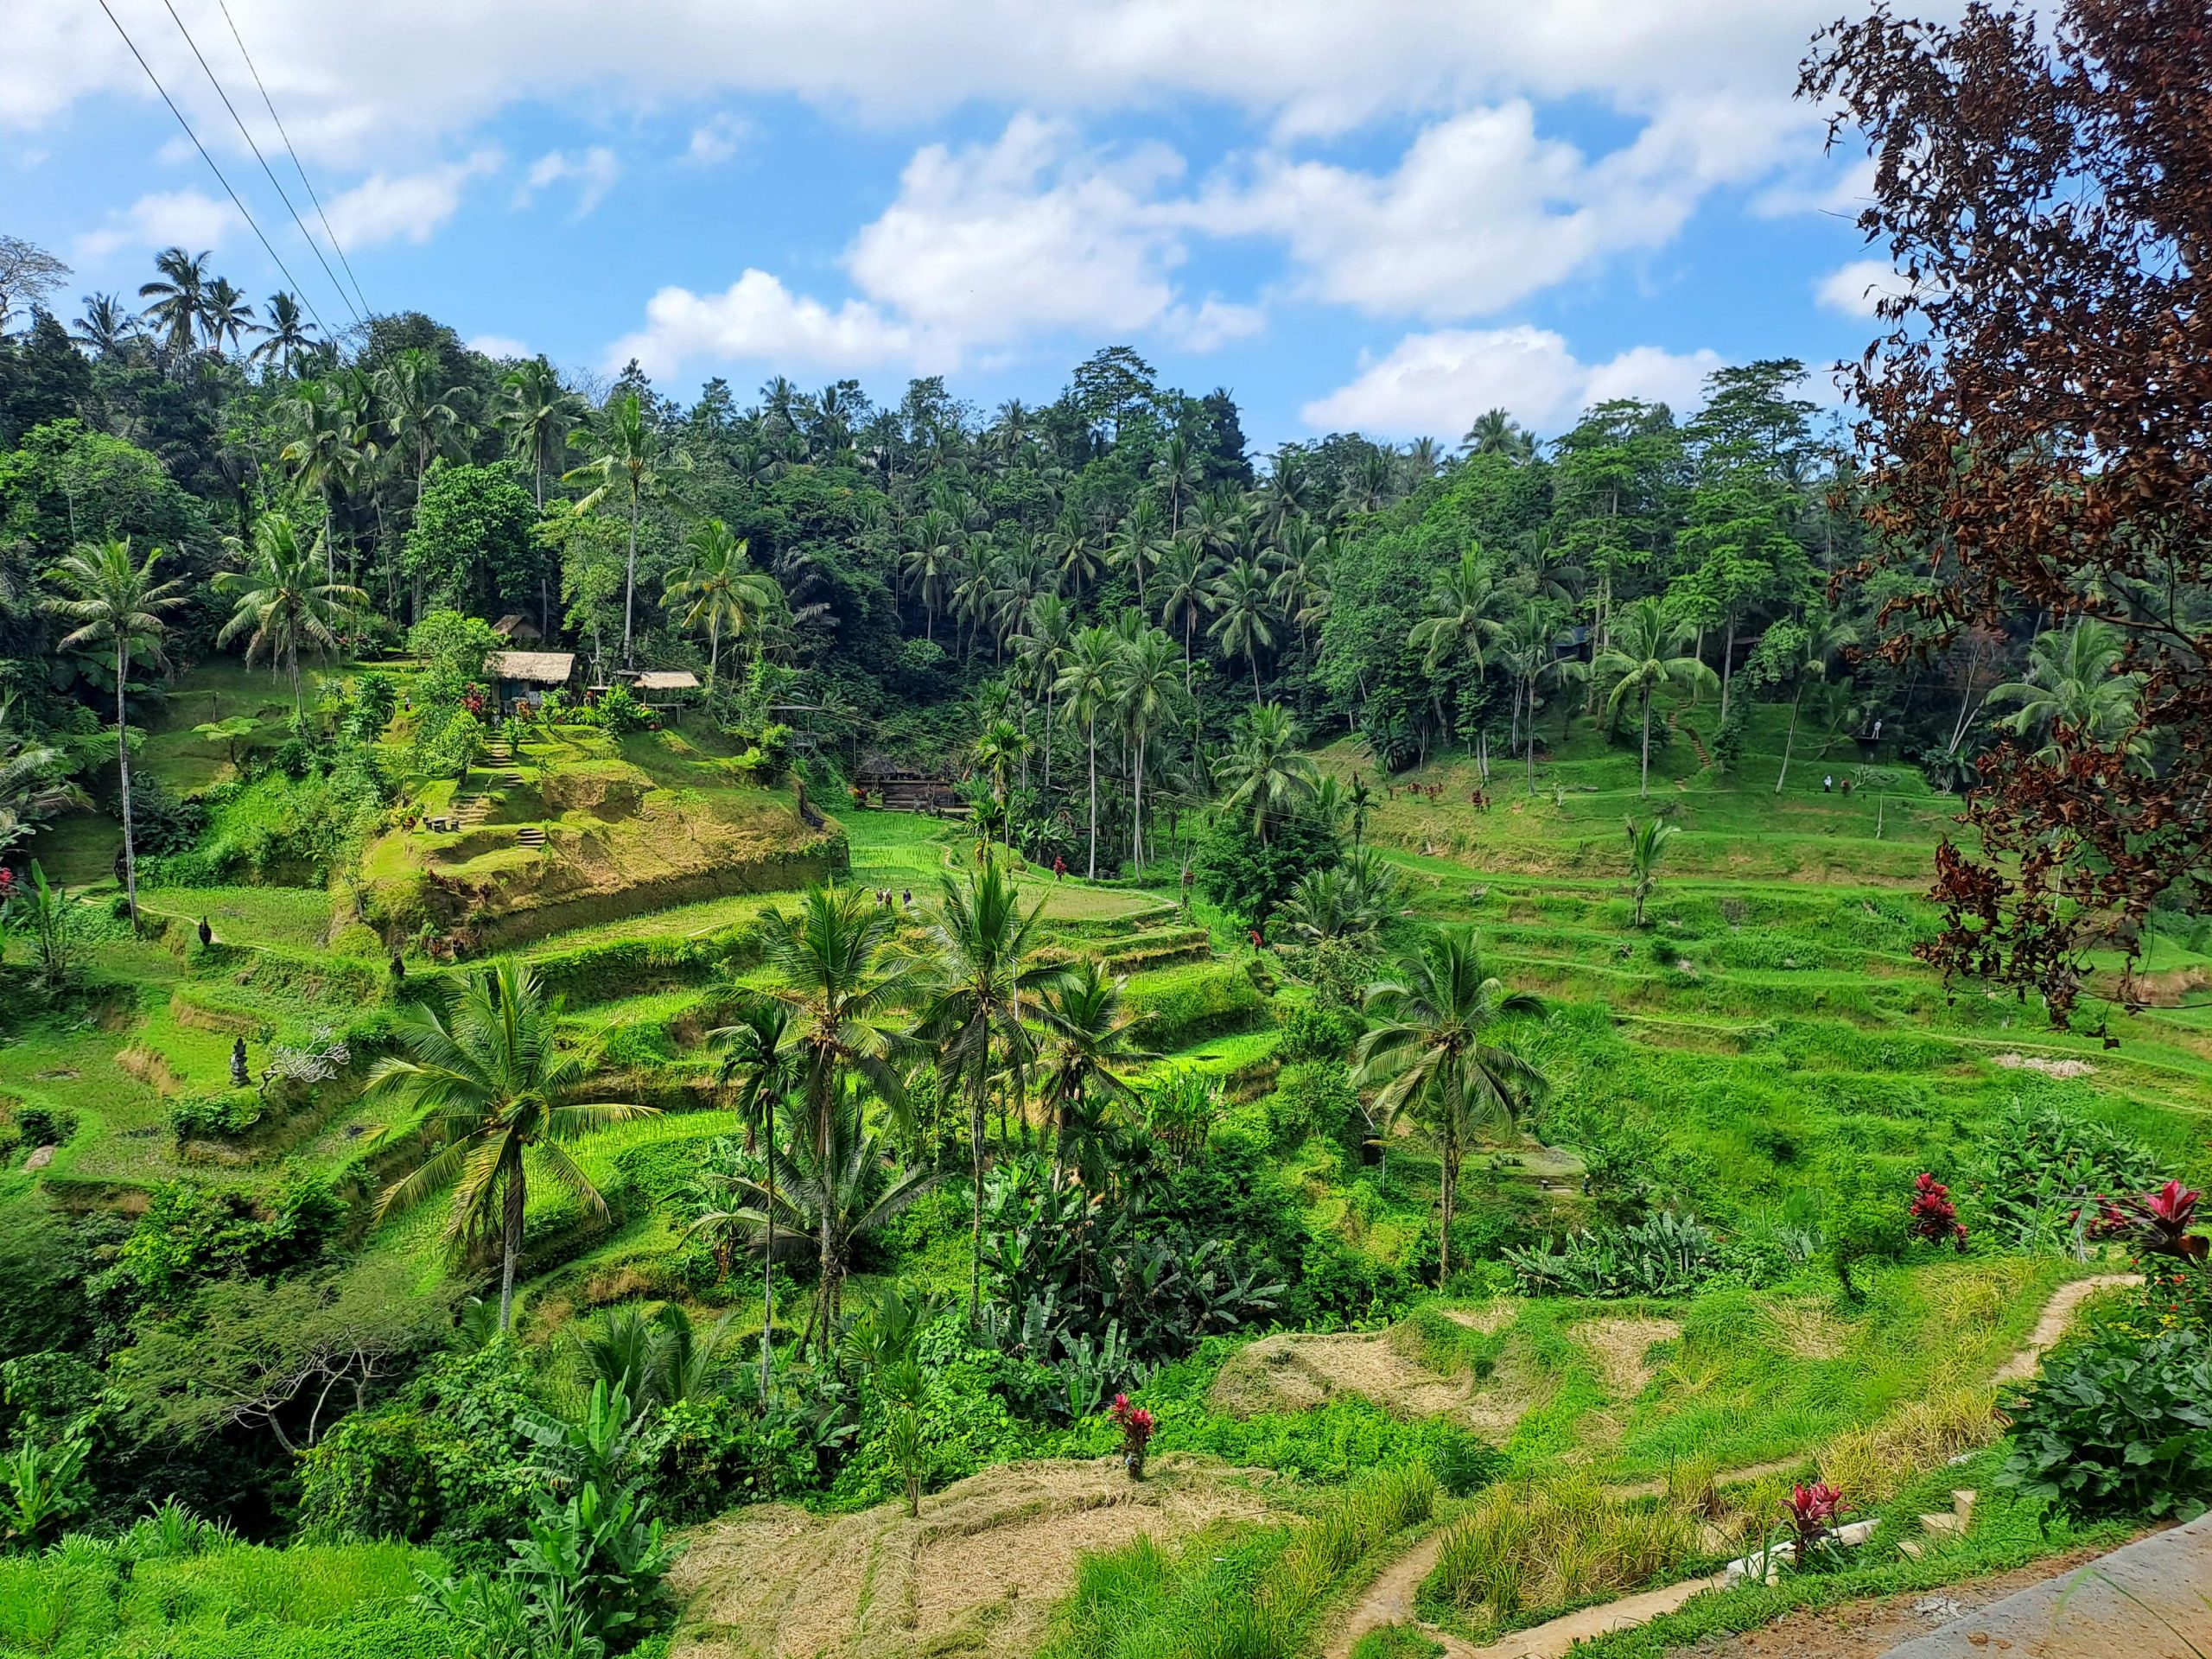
(267, 171)
(297, 165)
(243, 210)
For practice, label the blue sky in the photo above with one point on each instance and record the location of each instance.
(1389, 216)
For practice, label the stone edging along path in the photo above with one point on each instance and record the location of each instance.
(1389, 1600)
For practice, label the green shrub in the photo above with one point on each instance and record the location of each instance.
(2040, 1166)
(1670, 1255)
(2119, 1425)
(221, 1113)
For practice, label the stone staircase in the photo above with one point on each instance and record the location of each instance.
(1945, 1523)
(472, 810)
(532, 836)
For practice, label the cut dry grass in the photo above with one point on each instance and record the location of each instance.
(1528, 1546)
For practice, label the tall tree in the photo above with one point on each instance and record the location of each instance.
(424, 422)
(179, 296)
(762, 1063)
(279, 605)
(1185, 583)
(1432, 1053)
(1087, 686)
(625, 450)
(324, 449)
(289, 333)
(717, 589)
(1144, 689)
(497, 1094)
(113, 600)
(1244, 620)
(1265, 773)
(987, 979)
(1646, 658)
(537, 413)
(1088, 1032)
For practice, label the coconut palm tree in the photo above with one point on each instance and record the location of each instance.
(986, 990)
(1264, 773)
(323, 451)
(1525, 651)
(423, 422)
(280, 607)
(761, 1065)
(1087, 685)
(931, 562)
(1042, 649)
(1242, 600)
(1088, 1031)
(1351, 900)
(113, 600)
(178, 297)
(1497, 433)
(226, 315)
(837, 1185)
(846, 994)
(1001, 747)
(1358, 798)
(1432, 1054)
(1466, 611)
(1647, 842)
(1824, 636)
(289, 333)
(1143, 694)
(1140, 543)
(1178, 472)
(497, 1094)
(2074, 686)
(1185, 582)
(107, 326)
(625, 450)
(537, 413)
(718, 589)
(1646, 657)
(33, 780)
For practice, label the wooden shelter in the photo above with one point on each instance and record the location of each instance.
(527, 675)
(662, 688)
(519, 628)
(904, 789)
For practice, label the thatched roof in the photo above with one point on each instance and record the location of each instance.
(537, 667)
(665, 679)
(517, 626)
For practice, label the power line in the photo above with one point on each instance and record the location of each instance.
(297, 165)
(269, 172)
(243, 210)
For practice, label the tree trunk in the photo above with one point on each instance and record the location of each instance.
(1136, 813)
(511, 1246)
(977, 1108)
(1450, 1186)
(1727, 662)
(1091, 726)
(768, 1268)
(713, 650)
(1645, 791)
(123, 765)
(630, 587)
(1791, 738)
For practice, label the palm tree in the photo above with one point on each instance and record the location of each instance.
(1646, 842)
(1244, 626)
(1264, 773)
(844, 992)
(1350, 900)
(497, 1094)
(986, 987)
(1143, 692)
(226, 315)
(537, 413)
(1466, 606)
(34, 781)
(1358, 798)
(762, 1064)
(1087, 684)
(112, 599)
(423, 421)
(280, 606)
(930, 562)
(1432, 1055)
(835, 1184)
(1042, 649)
(1185, 580)
(324, 449)
(178, 295)
(1824, 636)
(1140, 544)
(1646, 654)
(107, 326)
(1000, 748)
(2074, 690)
(1179, 472)
(626, 459)
(1497, 433)
(1088, 1032)
(1526, 649)
(289, 333)
(719, 590)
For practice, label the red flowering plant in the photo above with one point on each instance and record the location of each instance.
(476, 700)
(1136, 1425)
(2157, 1224)
(1812, 1512)
(1933, 1217)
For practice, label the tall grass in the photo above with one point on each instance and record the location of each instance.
(1537, 1544)
(1245, 1593)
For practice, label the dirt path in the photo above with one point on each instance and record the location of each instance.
(1389, 1600)
(2057, 1314)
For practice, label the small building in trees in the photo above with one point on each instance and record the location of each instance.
(663, 688)
(527, 675)
(518, 629)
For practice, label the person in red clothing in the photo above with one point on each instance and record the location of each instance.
(1059, 868)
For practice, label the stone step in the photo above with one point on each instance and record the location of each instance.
(1911, 1550)
(1945, 1525)
(1962, 1502)
(530, 835)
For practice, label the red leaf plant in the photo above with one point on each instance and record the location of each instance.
(1136, 1425)
(1934, 1217)
(2157, 1223)
(1813, 1511)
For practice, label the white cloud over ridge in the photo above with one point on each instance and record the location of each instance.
(185, 219)
(407, 206)
(758, 317)
(1435, 383)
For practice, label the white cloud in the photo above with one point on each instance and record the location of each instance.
(1841, 191)
(717, 138)
(1855, 288)
(1028, 234)
(183, 219)
(499, 345)
(594, 171)
(1435, 385)
(1483, 210)
(758, 317)
(1212, 324)
(409, 207)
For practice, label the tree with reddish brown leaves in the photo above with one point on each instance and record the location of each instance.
(2036, 429)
